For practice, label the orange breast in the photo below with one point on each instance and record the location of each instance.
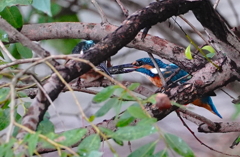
(91, 76)
(199, 103)
(156, 81)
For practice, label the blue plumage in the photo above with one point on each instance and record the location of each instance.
(83, 46)
(169, 69)
(146, 66)
(148, 61)
(208, 100)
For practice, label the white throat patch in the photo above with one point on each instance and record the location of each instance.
(154, 70)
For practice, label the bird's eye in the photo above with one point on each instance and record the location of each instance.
(138, 63)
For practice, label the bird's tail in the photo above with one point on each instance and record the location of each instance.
(207, 103)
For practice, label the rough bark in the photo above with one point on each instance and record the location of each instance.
(202, 81)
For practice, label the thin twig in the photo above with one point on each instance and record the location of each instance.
(12, 105)
(179, 79)
(227, 94)
(46, 138)
(172, 75)
(216, 4)
(194, 29)
(100, 11)
(124, 10)
(19, 61)
(158, 70)
(177, 112)
(19, 37)
(197, 119)
(6, 52)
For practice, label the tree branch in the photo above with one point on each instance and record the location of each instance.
(156, 12)
(151, 44)
(17, 36)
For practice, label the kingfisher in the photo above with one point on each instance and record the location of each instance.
(92, 75)
(170, 71)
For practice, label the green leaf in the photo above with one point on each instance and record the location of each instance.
(6, 104)
(137, 112)
(90, 143)
(106, 107)
(133, 86)
(237, 111)
(43, 5)
(145, 150)
(13, 50)
(125, 119)
(152, 99)
(126, 95)
(66, 138)
(3, 37)
(1, 61)
(3, 94)
(178, 145)
(72, 17)
(104, 94)
(109, 133)
(119, 142)
(235, 142)
(51, 136)
(5, 3)
(94, 153)
(70, 137)
(64, 46)
(6, 148)
(55, 8)
(91, 118)
(147, 121)
(106, 131)
(162, 153)
(64, 154)
(208, 48)
(28, 104)
(13, 16)
(210, 55)
(21, 94)
(32, 140)
(4, 118)
(24, 51)
(188, 52)
(45, 126)
(133, 132)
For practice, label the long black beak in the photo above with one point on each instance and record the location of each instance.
(121, 69)
(103, 66)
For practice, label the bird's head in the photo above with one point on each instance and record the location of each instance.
(83, 46)
(146, 67)
(143, 65)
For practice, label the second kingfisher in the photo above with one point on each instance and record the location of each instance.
(146, 67)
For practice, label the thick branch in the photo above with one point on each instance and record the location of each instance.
(201, 82)
(151, 44)
(223, 127)
(17, 36)
(219, 34)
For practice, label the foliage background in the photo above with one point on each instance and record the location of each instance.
(69, 119)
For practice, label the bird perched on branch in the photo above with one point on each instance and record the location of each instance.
(92, 75)
(171, 72)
